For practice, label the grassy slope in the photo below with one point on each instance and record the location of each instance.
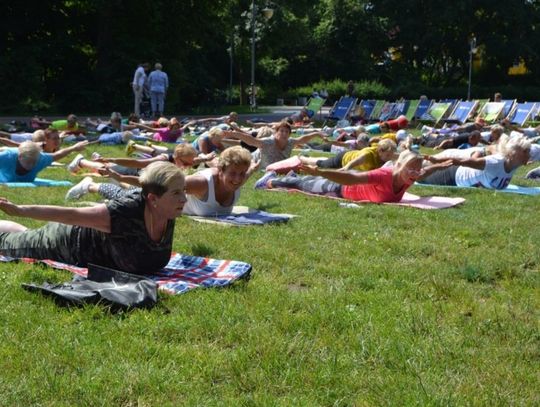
(378, 305)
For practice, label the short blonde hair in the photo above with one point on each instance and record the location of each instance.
(184, 150)
(215, 132)
(386, 145)
(264, 132)
(38, 135)
(29, 153)
(234, 155)
(158, 66)
(158, 176)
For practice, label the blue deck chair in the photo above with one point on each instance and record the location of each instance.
(387, 112)
(508, 106)
(422, 108)
(342, 109)
(462, 112)
(366, 107)
(522, 113)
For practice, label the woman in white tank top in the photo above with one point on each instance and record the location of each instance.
(214, 191)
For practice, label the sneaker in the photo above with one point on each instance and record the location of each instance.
(74, 165)
(426, 129)
(262, 183)
(130, 148)
(79, 190)
(96, 156)
(291, 173)
(533, 174)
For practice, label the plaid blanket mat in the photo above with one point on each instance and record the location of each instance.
(183, 273)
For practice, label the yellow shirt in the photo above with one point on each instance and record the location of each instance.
(371, 159)
(390, 136)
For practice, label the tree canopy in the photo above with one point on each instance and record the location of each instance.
(80, 55)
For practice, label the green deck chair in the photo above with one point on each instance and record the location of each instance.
(436, 113)
(376, 112)
(491, 111)
(413, 105)
(314, 106)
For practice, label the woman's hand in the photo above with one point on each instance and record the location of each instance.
(9, 208)
(309, 169)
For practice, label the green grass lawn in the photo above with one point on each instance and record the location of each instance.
(380, 305)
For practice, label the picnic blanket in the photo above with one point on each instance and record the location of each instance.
(183, 272)
(410, 200)
(511, 189)
(38, 182)
(244, 216)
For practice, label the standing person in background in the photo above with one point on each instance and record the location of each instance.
(497, 97)
(350, 89)
(158, 83)
(139, 80)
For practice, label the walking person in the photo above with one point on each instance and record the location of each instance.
(158, 83)
(139, 80)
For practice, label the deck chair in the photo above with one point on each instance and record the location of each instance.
(508, 106)
(422, 108)
(410, 112)
(376, 112)
(435, 113)
(366, 107)
(461, 112)
(454, 103)
(521, 113)
(314, 106)
(342, 109)
(491, 111)
(387, 112)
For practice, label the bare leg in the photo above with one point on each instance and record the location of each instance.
(84, 163)
(9, 226)
(143, 149)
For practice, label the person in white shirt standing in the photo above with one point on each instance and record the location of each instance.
(139, 80)
(158, 83)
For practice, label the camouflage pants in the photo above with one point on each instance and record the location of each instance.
(53, 241)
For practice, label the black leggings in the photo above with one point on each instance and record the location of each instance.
(309, 183)
(332, 162)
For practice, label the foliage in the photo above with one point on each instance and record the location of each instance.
(80, 55)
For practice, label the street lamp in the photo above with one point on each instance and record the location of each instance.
(267, 13)
(472, 50)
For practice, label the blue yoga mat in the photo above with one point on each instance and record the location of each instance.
(38, 182)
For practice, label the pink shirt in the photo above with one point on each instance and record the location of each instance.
(378, 189)
(167, 135)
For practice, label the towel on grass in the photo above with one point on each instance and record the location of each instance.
(181, 274)
(511, 189)
(284, 166)
(410, 200)
(38, 182)
(244, 216)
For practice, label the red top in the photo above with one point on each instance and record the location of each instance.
(378, 189)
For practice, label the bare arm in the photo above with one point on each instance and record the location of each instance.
(426, 171)
(246, 138)
(95, 217)
(128, 179)
(8, 142)
(143, 126)
(476, 163)
(132, 162)
(68, 150)
(357, 161)
(308, 137)
(343, 178)
(196, 185)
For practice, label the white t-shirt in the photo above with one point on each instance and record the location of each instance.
(209, 207)
(493, 176)
(140, 77)
(486, 136)
(459, 152)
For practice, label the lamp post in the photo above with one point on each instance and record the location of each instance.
(267, 13)
(472, 50)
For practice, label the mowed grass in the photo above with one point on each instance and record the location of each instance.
(380, 305)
